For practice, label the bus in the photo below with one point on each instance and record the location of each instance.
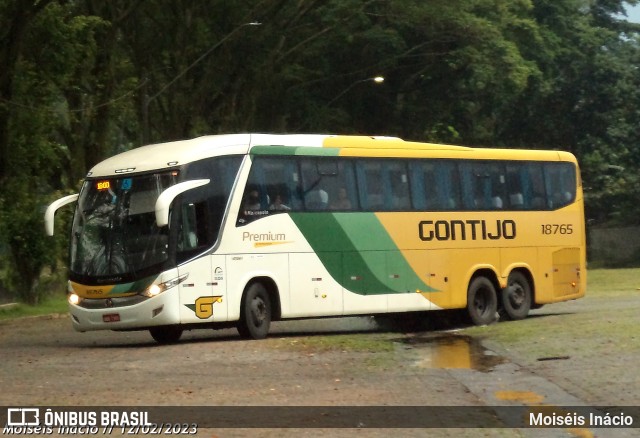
(241, 230)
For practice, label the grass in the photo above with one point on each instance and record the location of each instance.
(612, 282)
(604, 322)
(50, 306)
(358, 342)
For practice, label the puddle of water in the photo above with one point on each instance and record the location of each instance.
(452, 352)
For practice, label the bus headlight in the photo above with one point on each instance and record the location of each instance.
(157, 289)
(72, 296)
(153, 290)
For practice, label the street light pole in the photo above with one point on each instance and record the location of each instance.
(377, 80)
(148, 99)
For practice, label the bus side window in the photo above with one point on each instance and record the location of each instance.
(515, 183)
(498, 189)
(313, 190)
(328, 184)
(383, 185)
(370, 184)
(396, 180)
(475, 187)
(342, 188)
(201, 210)
(419, 182)
(560, 183)
(435, 185)
(193, 230)
(255, 203)
(272, 187)
(484, 185)
(535, 196)
(448, 184)
(279, 185)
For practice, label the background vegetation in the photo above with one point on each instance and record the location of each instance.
(84, 79)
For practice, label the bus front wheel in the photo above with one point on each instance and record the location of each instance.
(516, 297)
(255, 314)
(169, 334)
(482, 302)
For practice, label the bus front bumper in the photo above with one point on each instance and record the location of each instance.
(163, 309)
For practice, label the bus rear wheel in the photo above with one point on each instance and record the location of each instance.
(255, 313)
(169, 334)
(516, 297)
(482, 301)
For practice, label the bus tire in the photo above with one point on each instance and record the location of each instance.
(255, 313)
(168, 334)
(516, 297)
(482, 301)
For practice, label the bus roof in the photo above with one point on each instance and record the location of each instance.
(168, 155)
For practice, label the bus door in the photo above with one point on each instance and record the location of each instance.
(198, 220)
(202, 293)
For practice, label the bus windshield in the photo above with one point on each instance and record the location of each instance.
(114, 231)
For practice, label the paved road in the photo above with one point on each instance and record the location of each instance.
(44, 362)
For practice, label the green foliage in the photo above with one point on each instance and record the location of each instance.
(50, 308)
(84, 80)
(54, 45)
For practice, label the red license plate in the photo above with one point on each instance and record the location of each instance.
(111, 317)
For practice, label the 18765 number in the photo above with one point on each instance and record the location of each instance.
(557, 228)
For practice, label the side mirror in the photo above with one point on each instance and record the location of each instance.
(166, 198)
(49, 215)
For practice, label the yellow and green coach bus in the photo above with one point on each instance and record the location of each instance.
(244, 229)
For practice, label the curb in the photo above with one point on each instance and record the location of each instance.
(33, 318)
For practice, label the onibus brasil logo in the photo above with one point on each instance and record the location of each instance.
(31, 421)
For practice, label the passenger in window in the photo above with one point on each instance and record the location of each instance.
(278, 204)
(252, 202)
(317, 200)
(343, 202)
(517, 201)
(252, 208)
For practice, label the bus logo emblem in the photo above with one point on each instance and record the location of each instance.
(203, 306)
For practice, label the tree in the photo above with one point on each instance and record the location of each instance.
(585, 99)
(15, 19)
(84, 80)
(49, 39)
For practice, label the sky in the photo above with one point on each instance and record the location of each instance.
(633, 14)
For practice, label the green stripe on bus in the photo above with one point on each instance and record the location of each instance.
(288, 150)
(370, 262)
